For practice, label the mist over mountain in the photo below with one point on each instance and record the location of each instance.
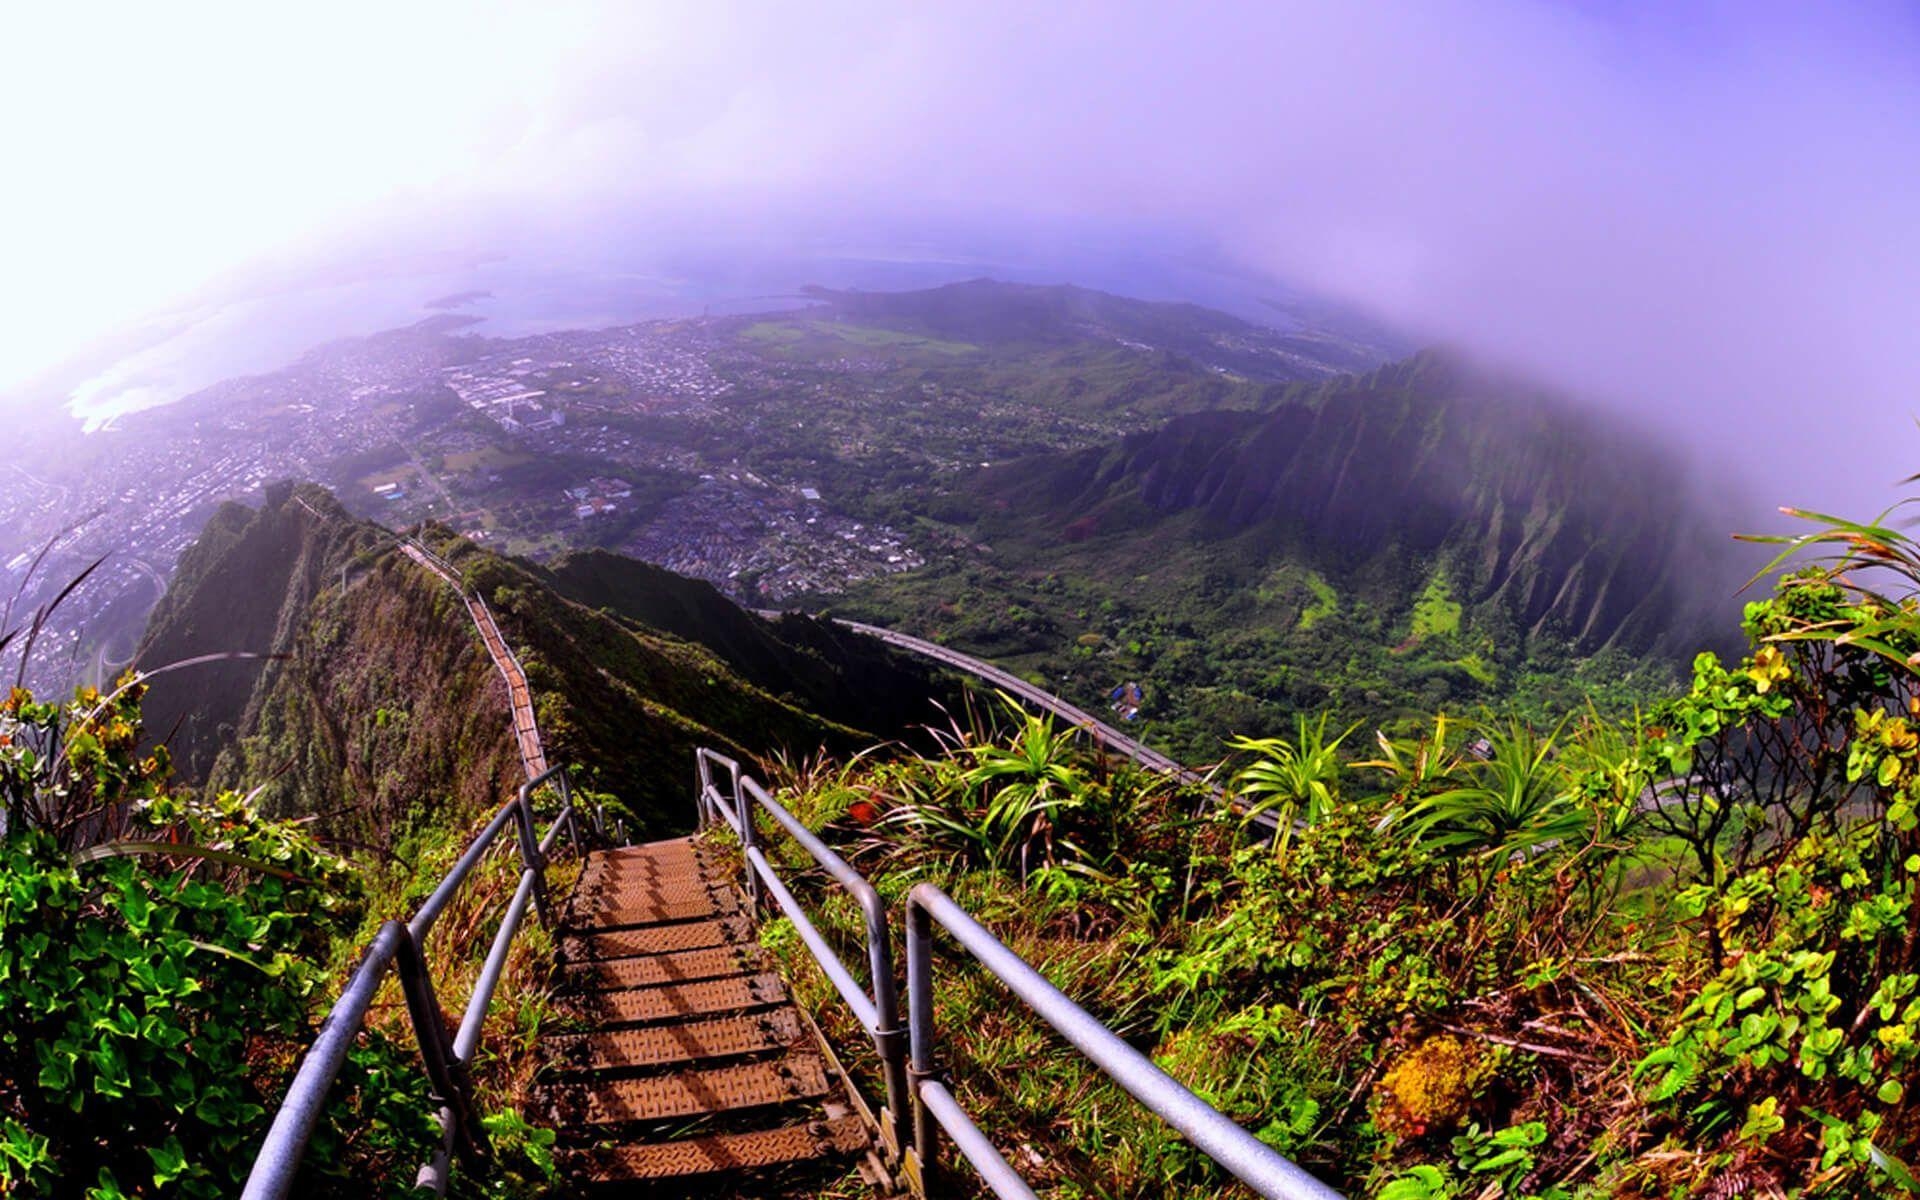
(1431, 533)
(1697, 216)
(1561, 517)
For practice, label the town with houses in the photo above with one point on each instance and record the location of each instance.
(624, 438)
(784, 456)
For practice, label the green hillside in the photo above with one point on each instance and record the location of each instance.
(1424, 536)
(379, 696)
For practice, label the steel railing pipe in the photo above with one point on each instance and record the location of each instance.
(704, 761)
(445, 1059)
(466, 1041)
(1244, 1156)
(885, 1027)
(429, 912)
(829, 962)
(437, 1173)
(278, 1162)
(569, 817)
(973, 1145)
(877, 1009)
(1101, 732)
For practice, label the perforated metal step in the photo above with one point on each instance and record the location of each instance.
(720, 1152)
(703, 907)
(662, 1045)
(684, 847)
(635, 1006)
(676, 853)
(684, 1023)
(692, 1093)
(585, 944)
(666, 866)
(590, 903)
(656, 970)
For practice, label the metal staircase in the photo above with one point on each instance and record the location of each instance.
(680, 1062)
(691, 1059)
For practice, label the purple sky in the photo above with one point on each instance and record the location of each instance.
(1707, 215)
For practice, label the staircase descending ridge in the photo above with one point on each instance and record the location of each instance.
(685, 1062)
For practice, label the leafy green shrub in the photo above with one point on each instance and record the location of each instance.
(1801, 773)
(157, 986)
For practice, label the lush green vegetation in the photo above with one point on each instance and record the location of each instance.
(1380, 547)
(1668, 954)
(380, 698)
(1666, 949)
(160, 957)
(1219, 655)
(166, 956)
(1436, 613)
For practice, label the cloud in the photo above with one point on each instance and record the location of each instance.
(1703, 214)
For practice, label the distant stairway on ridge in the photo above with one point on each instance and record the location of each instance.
(681, 1065)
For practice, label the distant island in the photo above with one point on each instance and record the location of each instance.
(459, 299)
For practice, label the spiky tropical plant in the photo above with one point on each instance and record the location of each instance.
(1294, 780)
(1026, 782)
(1416, 766)
(1001, 800)
(1516, 799)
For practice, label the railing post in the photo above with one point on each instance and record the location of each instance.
(444, 1071)
(530, 855)
(889, 1036)
(920, 1066)
(573, 818)
(749, 839)
(703, 782)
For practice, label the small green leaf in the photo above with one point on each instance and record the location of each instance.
(169, 1161)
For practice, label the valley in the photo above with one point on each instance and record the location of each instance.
(774, 456)
(1091, 489)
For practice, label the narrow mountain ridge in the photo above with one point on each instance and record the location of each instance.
(377, 695)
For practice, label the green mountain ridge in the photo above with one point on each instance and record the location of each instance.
(379, 695)
(1429, 534)
(1570, 524)
(992, 312)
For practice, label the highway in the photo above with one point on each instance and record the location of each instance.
(1099, 730)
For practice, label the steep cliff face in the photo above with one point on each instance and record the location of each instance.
(379, 698)
(244, 587)
(1561, 521)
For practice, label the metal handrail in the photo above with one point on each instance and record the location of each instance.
(1074, 715)
(1247, 1158)
(913, 1079)
(447, 1059)
(878, 1010)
